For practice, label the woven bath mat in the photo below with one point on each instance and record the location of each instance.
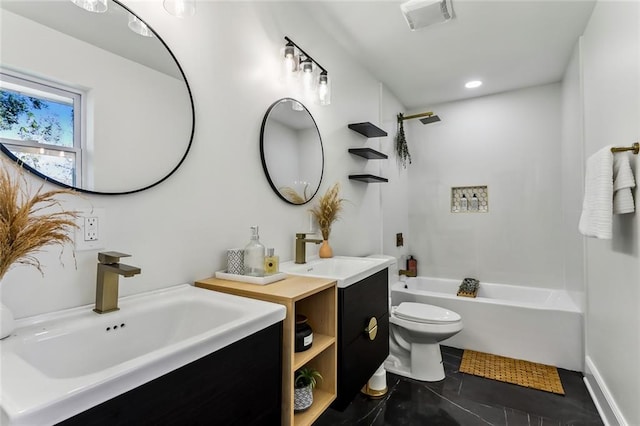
(516, 371)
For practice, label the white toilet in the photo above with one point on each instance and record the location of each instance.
(416, 330)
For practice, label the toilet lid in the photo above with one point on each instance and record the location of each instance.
(429, 314)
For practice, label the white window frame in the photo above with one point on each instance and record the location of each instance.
(46, 89)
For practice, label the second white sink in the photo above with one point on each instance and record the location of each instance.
(344, 269)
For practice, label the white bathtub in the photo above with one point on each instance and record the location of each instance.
(535, 324)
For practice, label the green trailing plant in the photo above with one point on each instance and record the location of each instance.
(307, 376)
(402, 149)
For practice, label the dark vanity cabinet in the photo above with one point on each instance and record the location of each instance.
(237, 385)
(359, 356)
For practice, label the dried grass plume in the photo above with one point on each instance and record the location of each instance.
(328, 209)
(29, 222)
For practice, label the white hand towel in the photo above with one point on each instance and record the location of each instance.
(597, 207)
(623, 181)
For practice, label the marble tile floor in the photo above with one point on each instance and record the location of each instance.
(466, 400)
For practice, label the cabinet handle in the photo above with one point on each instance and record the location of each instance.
(372, 328)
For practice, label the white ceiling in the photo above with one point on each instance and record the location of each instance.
(507, 44)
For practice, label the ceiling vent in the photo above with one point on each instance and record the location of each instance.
(422, 13)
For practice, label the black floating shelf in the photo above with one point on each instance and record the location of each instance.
(368, 178)
(367, 129)
(368, 153)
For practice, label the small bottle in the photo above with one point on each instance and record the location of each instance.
(271, 262)
(254, 255)
(412, 265)
(474, 203)
(463, 203)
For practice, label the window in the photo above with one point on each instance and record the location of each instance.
(40, 125)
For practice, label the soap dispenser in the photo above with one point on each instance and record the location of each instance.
(254, 255)
(474, 203)
(463, 203)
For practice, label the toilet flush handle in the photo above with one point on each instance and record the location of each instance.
(372, 328)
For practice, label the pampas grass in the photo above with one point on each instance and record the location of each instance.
(27, 223)
(328, 210)
(292, 195)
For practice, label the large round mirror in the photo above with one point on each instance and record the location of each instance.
(291, 150)
(92, 101)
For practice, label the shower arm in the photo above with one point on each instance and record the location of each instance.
(422, 114)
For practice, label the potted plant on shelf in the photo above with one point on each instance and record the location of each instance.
(28, 222)
(326, 212)
(305, 380)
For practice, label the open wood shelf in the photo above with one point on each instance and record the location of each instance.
(368, 178)
(368, 129)
(368, 153)
(321, 401)
(320, 343)
(316, 298)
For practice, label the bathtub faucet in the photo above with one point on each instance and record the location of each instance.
(107, 281)
(407, 273)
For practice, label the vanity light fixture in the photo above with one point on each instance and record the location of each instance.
(95, 6)
(180, 8)
(297, 60)
(139, 27)
(473, 84)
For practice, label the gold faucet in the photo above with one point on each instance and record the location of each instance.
(301, 247)
(407, 273)
(107, 281)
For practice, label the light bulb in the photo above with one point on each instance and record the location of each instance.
(96, 6)
(307, 73)
(290, 58)
(180, 8)
(324, 90)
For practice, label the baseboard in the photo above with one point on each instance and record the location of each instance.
(602, 398)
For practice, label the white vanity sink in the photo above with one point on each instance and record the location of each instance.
(57, 365)
(344, 269)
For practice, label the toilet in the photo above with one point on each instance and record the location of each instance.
(416, 330)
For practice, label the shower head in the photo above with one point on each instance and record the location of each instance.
(430, 119)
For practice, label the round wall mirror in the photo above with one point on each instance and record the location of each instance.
(291, 151)
(91, 101)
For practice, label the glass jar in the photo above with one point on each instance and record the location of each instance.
(304, 334)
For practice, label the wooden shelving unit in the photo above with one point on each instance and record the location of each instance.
(316, 298)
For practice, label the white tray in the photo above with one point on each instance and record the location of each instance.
(267, 279)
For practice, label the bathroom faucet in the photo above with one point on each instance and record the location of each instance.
(107, 280)
(301, 247)
(407, 273)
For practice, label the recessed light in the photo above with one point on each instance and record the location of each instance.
(473, 84)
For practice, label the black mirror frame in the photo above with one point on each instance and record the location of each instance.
(262, 157)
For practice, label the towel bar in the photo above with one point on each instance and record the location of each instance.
(635, 148)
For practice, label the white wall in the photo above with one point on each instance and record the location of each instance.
(611, 73)
(509, 142)
(572, 176)
(178, 231)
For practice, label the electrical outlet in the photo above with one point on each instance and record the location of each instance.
(399, 240)
(91, 229)
(90, 232)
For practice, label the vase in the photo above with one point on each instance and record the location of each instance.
(325, 250)
(7, 323)
(302, 398)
